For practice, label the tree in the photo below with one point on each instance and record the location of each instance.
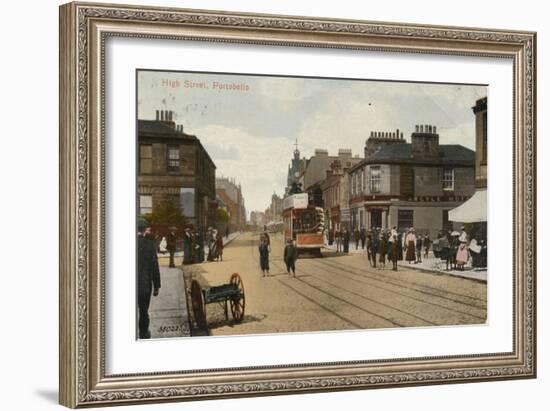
(166, 212)
(222, 216)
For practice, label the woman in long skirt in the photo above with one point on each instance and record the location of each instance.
(410, 242)
(264, 257)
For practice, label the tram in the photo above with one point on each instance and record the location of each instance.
(303, 223)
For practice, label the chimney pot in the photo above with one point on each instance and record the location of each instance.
(157, 115)
(435, 129)
(416, 128)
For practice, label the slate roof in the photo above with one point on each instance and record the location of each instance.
(153, 128)
(449, 154)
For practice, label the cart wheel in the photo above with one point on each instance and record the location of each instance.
(237, 303)
(197, 300)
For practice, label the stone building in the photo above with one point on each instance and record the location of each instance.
(173, 165)
(231, 194)
(274, 212)
(410, 184)
(335, 189)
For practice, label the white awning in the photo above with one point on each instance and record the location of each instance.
(472, 211)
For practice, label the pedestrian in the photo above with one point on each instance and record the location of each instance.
(462, 256)
(219, 248)
(374, 248)
(393, 250)
(427, 244)
(345, 240)
(410, 244)
(199, 246)
(382, 249)
(210, 241)
(264, 257)
(338, 235)
(400, 247)
(356, 238)
(148, 277)
(290, 256)
(187, 246)
(171, 245)
(418, 249)
(444, 250)
(363, 237)
(453, 248)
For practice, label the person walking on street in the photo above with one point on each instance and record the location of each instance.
(356, 238)
(374, 248)
(148, 277)
(290, 256)
(363, 237)
(393, 250)
(171, 245)
(219, 248)
(345, 240)
(264, 256)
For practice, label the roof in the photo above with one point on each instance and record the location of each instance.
(450, 154)
(154, 128)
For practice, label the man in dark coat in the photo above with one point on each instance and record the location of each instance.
(290, 256)
(171, 245)
(148, 276)
(363, 236)
(345, 240)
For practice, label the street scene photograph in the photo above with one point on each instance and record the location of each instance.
(277, 204)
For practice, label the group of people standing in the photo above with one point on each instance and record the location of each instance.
(194, 246)
(290, 254)
(452, 247)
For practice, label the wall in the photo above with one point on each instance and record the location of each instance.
(29, 296)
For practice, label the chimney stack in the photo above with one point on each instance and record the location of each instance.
(157, 115)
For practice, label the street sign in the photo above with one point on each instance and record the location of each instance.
(345, 214)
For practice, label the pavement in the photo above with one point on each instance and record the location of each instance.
(428, 264)
(437, 265)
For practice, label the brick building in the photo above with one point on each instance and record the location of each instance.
(410, 184)
(231, 194)
(173, 165)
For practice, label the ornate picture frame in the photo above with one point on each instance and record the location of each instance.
(84, 30)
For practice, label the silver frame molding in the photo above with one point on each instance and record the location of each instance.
(84, 27)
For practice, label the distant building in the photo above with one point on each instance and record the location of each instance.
(275, 210)
(258, 218)
(173, 165)
(410, 184)
(335, 191)
(231, 194)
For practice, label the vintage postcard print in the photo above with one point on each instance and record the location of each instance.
(272, 204)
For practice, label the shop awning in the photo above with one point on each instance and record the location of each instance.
(472, 211)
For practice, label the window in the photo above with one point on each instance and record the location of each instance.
(375, 179)
(145, 204)
(173, 158)
(145, 158)
(448, 179)
(362, 180)
(405, 219)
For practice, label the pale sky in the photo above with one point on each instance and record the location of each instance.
(250, 133)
